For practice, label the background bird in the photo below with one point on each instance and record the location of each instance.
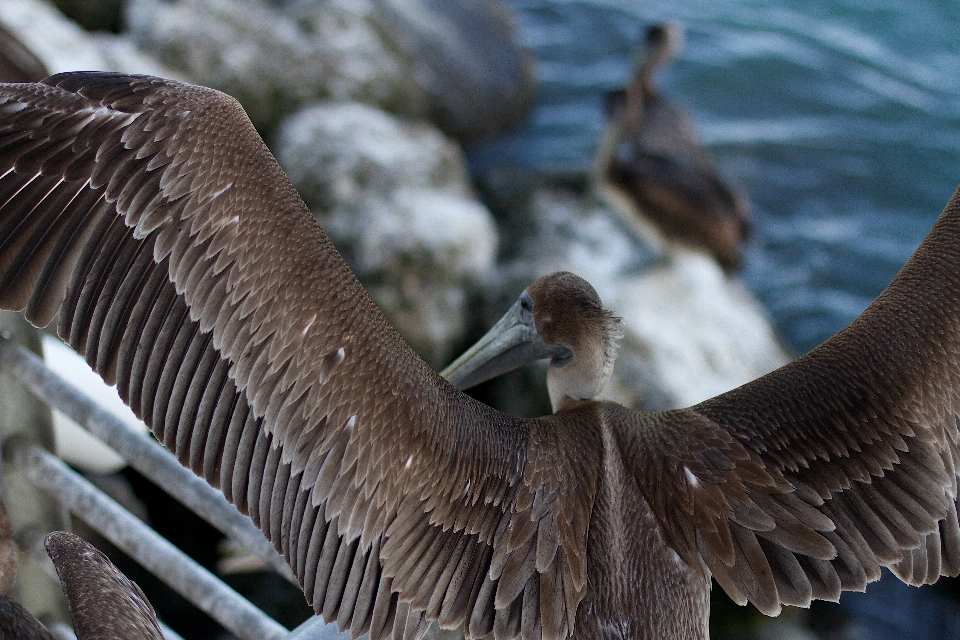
(653, 170)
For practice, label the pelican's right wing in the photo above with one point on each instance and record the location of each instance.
(185, 267)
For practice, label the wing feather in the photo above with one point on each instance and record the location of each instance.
(808, 480)
(150, 216)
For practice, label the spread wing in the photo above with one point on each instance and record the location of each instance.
(186, 269)
(808, 480)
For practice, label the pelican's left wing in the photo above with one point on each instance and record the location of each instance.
(184, 266)
(806, 481)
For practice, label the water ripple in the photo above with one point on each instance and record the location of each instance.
(841, 118)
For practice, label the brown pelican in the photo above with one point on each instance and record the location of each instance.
(104, 604)
(650, 166)
(149, 218)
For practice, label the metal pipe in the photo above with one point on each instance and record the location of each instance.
(145, 455)
(142, 543)
(168, 633)
(316, 629)
(60, 631)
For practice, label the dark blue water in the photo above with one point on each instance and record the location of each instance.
(840, 118)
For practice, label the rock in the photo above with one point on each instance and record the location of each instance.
(691, 332)
(340, 155)
(93, 15)
(394, 198)
(276, 59)
(465, 55)
(63, 45)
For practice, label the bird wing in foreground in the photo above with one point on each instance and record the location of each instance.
(187, 270)
(104, 603)
(806, 481)
(16, 623)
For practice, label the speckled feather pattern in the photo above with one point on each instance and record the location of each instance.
(104, 603)
(806, 481)
(150, 219)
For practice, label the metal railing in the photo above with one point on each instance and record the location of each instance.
(195, 583)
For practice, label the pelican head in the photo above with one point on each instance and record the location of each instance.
(558, 318)
(660, 45)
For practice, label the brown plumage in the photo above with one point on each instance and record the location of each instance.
(16, 623)
(104, 604)
(651, 165)
(187, 270)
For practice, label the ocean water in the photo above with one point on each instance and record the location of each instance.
(839, 118)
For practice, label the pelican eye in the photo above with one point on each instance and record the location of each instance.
(526, 305)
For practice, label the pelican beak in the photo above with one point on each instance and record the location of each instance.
(511, 343)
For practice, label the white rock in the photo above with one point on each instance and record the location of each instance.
(275, 61)
(455, 62)
(341, 154)
(394, 197)
(63, 45)
(465, 55)
(699, 332)
(447, 228)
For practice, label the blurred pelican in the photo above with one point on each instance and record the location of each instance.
(652, 170)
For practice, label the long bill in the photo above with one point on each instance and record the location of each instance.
(511, 343)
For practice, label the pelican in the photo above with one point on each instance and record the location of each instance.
(651, 168)
(104, 604)
(149, 218)
(16, 623)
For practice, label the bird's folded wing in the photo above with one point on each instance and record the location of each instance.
(808, 480)
(104, 603)
(659, 180)
(185, 267)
